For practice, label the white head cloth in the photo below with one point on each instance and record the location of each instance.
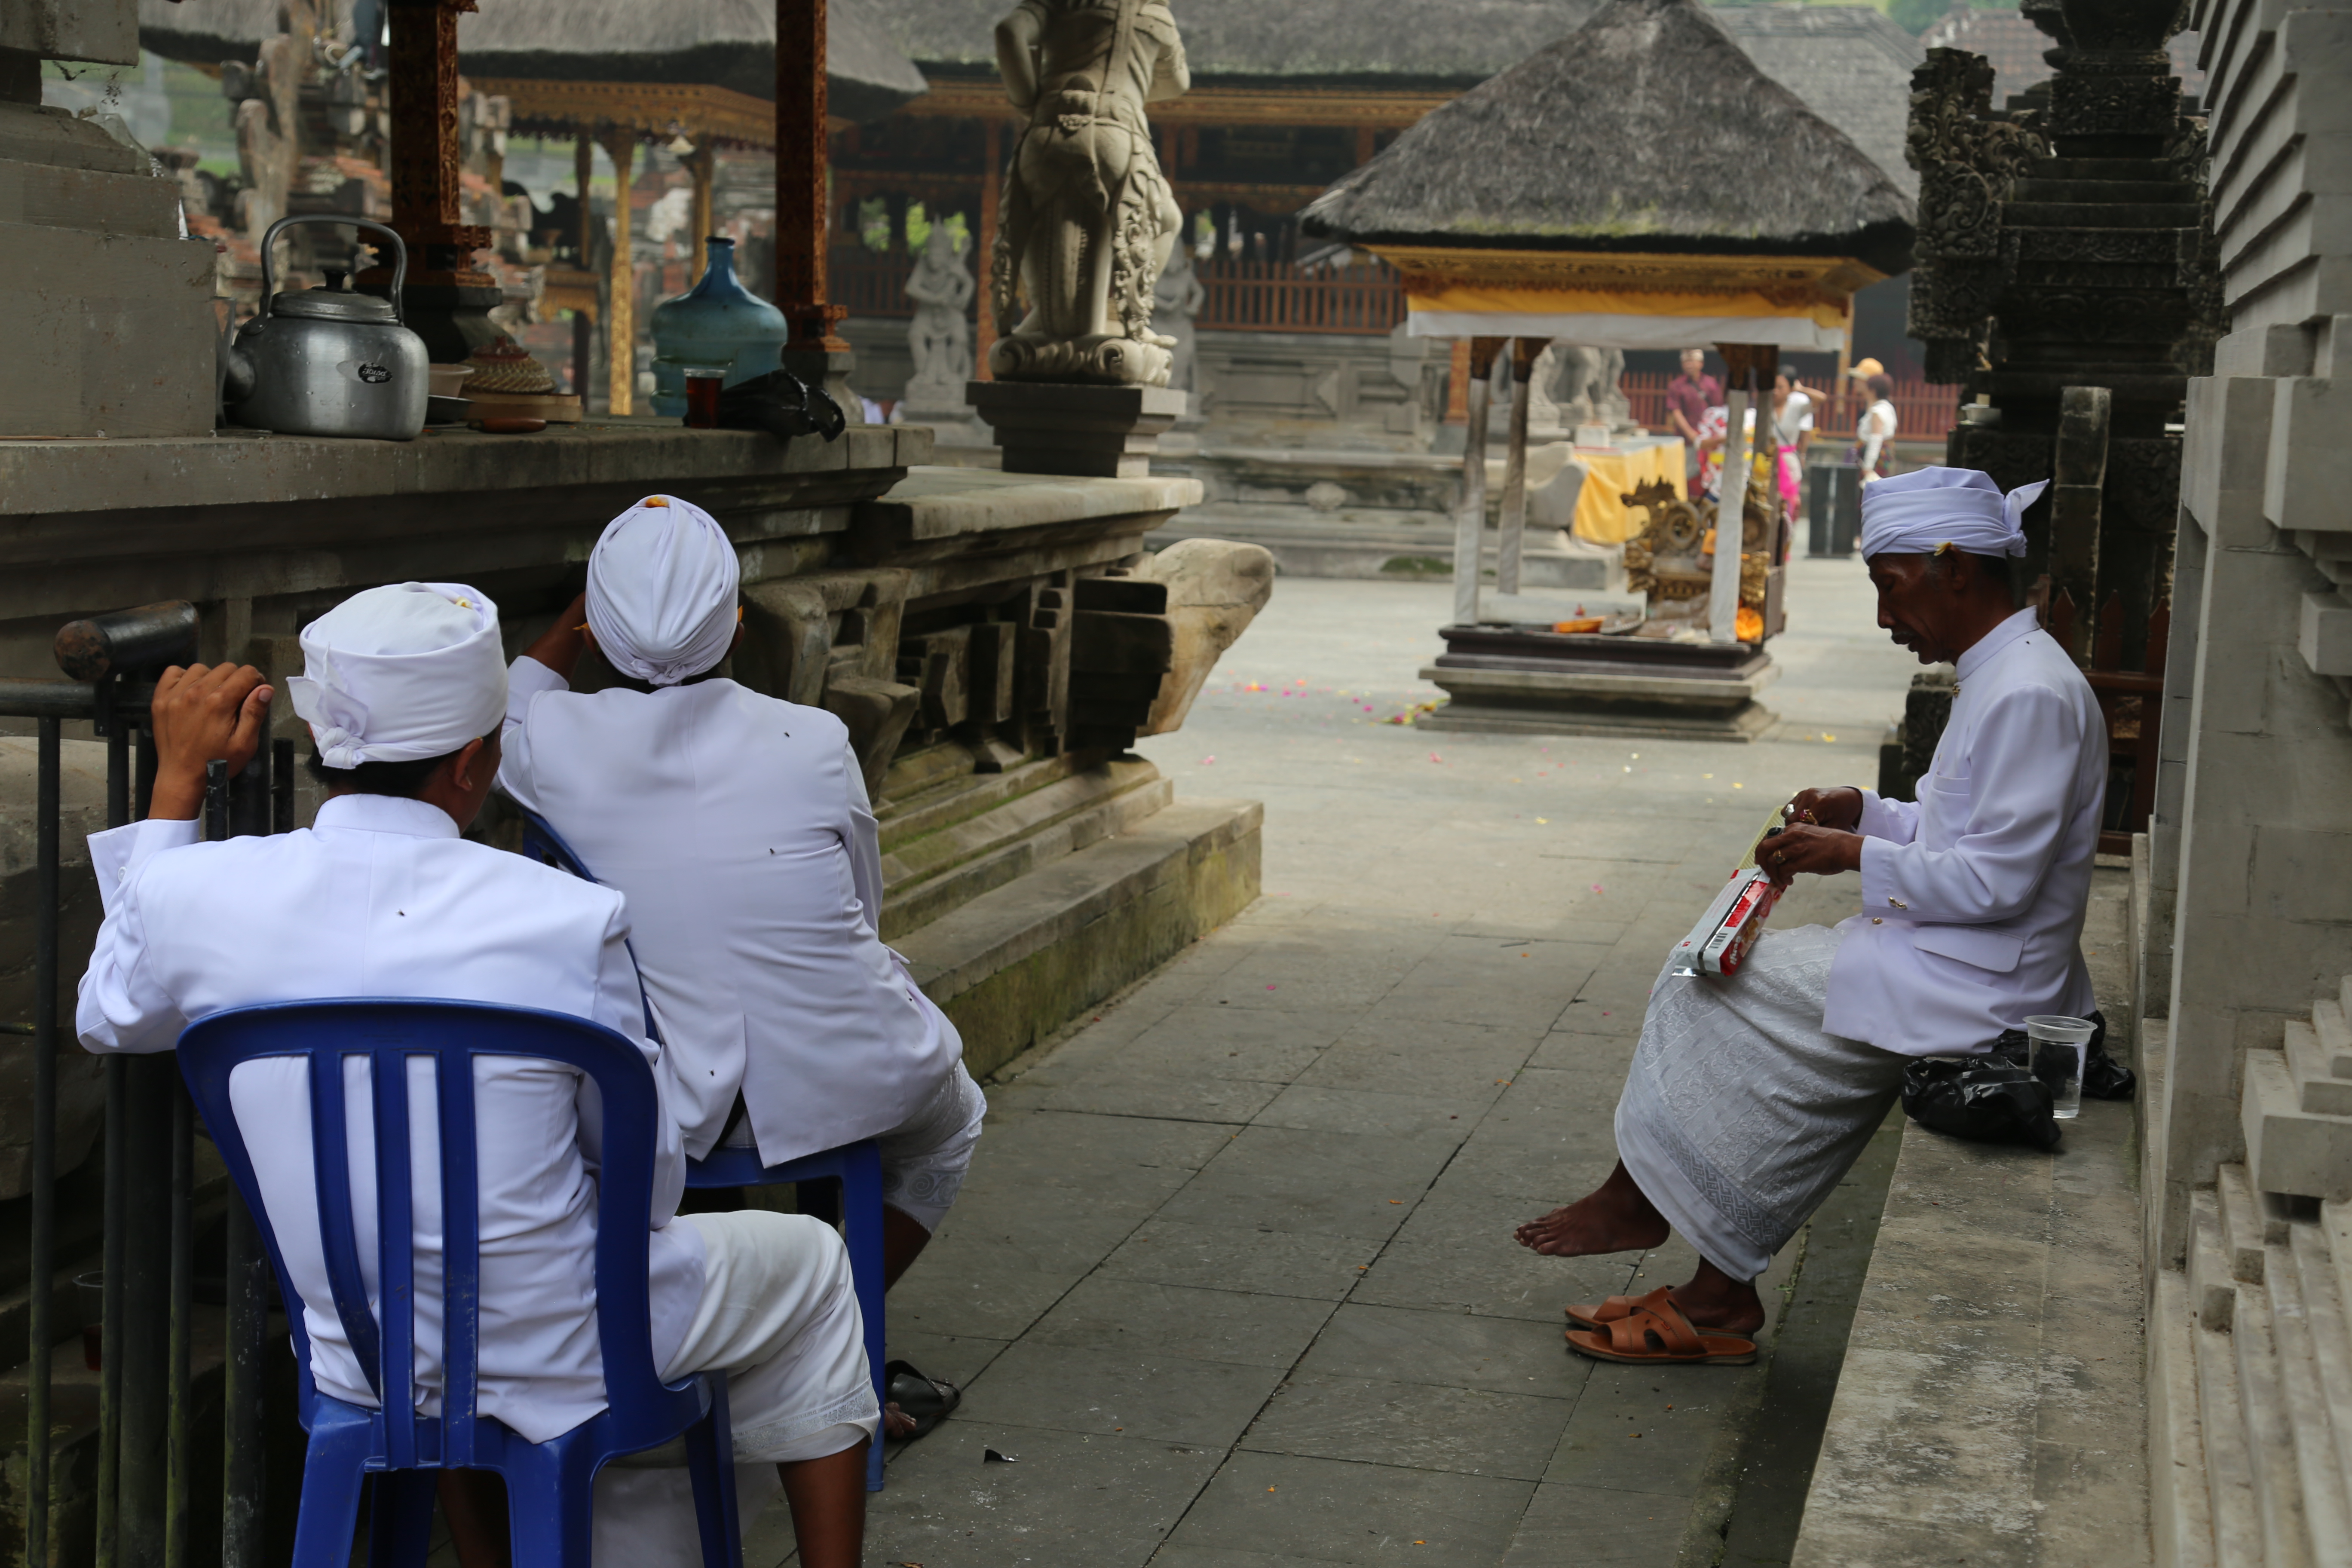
(400, 673)
(661, 591)
(1920, 513)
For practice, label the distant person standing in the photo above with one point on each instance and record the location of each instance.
(1688, 397)
(1873, 435)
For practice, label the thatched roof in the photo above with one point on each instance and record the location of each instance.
(1646, 130)
(1390, 43)
(716, 43)
(721, 43)
(1850, 64)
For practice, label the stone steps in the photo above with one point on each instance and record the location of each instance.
(2250, 1373)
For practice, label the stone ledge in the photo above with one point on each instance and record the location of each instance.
(936, 503)
(242, 467)
(1991, 1406)
(1012, 965)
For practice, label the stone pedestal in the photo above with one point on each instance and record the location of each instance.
(1519, 681)
(1059, 428)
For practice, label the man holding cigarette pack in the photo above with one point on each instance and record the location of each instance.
(1751, 1095)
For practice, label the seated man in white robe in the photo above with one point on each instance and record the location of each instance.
(737, 824)
(405, 691)
(1749, 1097)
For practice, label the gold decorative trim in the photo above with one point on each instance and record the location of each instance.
(653, 109)
(1789, 280)
(1220, 105)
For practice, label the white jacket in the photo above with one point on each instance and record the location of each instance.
(738, 826)
(382, 898)
(1973, 897)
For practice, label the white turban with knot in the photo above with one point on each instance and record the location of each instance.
(401, 673)
(1921, 512)
(661, 591)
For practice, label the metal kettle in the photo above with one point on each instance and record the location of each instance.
(328, 360)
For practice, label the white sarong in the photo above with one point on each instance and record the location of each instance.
(779, 1314)
(1740, 1114)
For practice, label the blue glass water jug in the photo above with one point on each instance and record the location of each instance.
(718, 322)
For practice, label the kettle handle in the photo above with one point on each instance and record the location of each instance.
(270, 250)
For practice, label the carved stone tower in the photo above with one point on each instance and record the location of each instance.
(2065, 280)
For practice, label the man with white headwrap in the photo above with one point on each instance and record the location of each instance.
(404, 688)
(738, 826)
(1749, 1097)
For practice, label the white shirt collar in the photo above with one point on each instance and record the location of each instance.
(386, 813)
(1989, 647)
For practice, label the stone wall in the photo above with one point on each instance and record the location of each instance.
(2250, 857)
(994, 642)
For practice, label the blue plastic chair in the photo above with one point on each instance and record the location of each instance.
(856, 1166)
(551, 1485)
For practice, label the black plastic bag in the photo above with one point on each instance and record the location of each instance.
(2104, 1078)
(1985, 1099)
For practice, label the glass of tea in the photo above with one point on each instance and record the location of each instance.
(702, 387)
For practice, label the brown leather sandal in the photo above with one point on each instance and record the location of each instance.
(1599, 1318)
(1654, 1330)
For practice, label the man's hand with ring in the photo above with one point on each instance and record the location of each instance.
(1823, 851)
(1839, 807)
(201, 714)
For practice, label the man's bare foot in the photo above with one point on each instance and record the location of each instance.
(897, 1424)
(1720, 1302)
(1615, 1216)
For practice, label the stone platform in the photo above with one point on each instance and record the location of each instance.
(1529, 682)
(995, 642)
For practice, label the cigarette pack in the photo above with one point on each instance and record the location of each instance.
(1719, 942)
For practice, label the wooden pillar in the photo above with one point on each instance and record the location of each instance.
(584, 171)
(583, 322)
(1364, 145)
(801, 193)
(1748, 376)
(422, 64)
(992, 179)
(702, 165)
(1470, 522)
(620, 315)
(1457, 383)
(1509, 543)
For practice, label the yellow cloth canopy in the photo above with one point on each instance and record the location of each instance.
(1601, 518)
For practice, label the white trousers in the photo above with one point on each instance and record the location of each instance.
(926, 1157)
(779, 1315)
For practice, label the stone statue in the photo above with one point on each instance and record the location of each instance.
(940, 337)
(1088, 218)
(1176, 301)
(1571, 385)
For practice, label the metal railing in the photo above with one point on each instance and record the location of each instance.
(146, 1437)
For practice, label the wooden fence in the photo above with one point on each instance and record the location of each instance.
(1274, 296)
(870, 282)
(1242, 296)
(1923, 411)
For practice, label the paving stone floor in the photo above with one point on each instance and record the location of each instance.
(1233, 1281)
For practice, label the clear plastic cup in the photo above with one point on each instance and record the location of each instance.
(2054, 1050)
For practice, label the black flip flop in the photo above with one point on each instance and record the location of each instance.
(926, 1401)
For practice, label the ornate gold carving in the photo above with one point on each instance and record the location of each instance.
(1213, 106)
(1783, 279)
(651, 109)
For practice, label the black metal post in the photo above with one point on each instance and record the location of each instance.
(118, 1109)
(39, 1333)
(262, 796)
(179, 1452)
(146, 1285)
